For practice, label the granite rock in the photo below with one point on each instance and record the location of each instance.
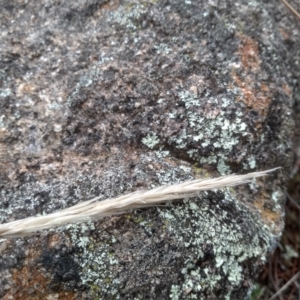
(108, 97)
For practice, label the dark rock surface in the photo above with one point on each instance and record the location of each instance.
(107, 97)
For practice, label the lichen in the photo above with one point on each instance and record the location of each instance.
(175, 292)
(251, 162)
(162, 153)
(216, 130)
(163, 49)
(2, 125)
(151, 140)
(276, 197)
(95, 261)
(5, 92)
(128, 15)
(230, 244)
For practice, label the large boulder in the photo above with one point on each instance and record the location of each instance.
(108, 97)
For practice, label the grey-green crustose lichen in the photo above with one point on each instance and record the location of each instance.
(151, 140)
(231, 242)
(215, 129)
(94, 259)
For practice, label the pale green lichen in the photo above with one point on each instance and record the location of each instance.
(151, 140)
(276, 197)
(161, 153)
(188, 98)
(2, 125)
(161, 100)
(209, 160)
(212, 129)
(175, 292)
(94, 261)
(232, 247)
(251, 162)
(222, 167)
(128, 15)
(5, 93)
(163, 48)
(171, 175)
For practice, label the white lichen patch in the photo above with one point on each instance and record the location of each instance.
(251, 162)
(2, 125)
(128, 15)
(151, 140)
(162, 153)
(95, 262)
(231, 243)
(5, 93)
(167, 176)
(213, 129)
(163, 48)
(175, 292)
(276, 197)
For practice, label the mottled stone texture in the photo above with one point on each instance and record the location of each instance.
(107, 97)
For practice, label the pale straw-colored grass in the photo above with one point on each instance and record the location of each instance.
(94, 209)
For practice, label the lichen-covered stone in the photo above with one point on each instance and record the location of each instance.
(107, 97)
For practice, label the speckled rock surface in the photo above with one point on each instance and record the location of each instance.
(107, 97)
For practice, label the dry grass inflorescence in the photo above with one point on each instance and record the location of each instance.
(94, 209)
